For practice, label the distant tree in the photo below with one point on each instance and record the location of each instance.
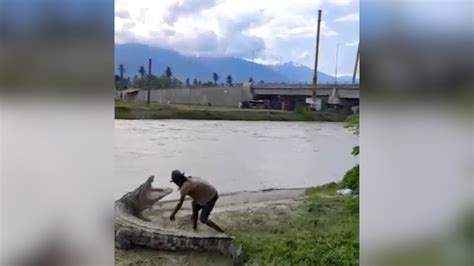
(135, 81)
(142, 71)
(176, 83)
(187, 82)
(215, 77)
(168, 72)
(199, 82)
(261, 81)
(121, 70)
(157, 82)
(208, 84)
(229, 80)
(166, 81)
(122, 82)
(250, 79)
(195, 82)
(117, 81)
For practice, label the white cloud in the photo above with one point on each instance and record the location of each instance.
(270, 28)
(129, 25)
(348, 18)
(353, 43)
(178, 10)
(122, 14)
(341, 2)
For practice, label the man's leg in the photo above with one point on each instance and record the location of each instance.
(206, 211)
(196, 209)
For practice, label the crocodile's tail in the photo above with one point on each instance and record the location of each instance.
(226, 246)
(174, 241)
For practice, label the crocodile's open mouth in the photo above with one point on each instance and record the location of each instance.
(158, 193)
(154, 194)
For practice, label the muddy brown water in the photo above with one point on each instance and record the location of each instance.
(232, 155)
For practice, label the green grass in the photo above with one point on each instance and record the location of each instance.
(351, 179)
(323, 229)
(159, 111)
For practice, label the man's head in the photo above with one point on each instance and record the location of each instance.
(178, 177)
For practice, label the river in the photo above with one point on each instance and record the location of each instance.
(232, 155)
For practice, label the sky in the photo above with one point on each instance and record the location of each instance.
(273, 31)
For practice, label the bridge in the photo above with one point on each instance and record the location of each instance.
(274, 96)
(345, 91)
(287, 96)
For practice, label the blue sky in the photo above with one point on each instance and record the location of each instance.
(274, 30)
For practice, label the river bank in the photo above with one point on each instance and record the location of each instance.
(232, 155)
(276, 227)
(124, 110)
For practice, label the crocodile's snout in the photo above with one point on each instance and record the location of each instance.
(158, 193)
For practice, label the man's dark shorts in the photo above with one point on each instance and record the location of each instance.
(206, 209)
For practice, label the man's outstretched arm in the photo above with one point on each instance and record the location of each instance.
(180, 203)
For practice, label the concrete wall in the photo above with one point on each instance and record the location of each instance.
(342, 92)
(216, 96)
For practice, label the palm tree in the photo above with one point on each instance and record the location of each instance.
(229, 80)
(142, 71)
(195, 82)
(117, 81)
(168, 72)
(135, 81)
(187, 82)
(215, 77)
(122, 81)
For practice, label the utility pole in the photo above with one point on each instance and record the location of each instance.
(335, 73)
(315, 74)
(251, 66)
(356, 64)
(121, 69)
(280, 66)
(149, 81)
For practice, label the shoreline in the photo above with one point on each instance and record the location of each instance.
(234, 200)
(135, 111)
(267, 222)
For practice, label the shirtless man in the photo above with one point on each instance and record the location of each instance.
(204, 197)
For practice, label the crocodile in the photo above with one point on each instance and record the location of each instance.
(133, 229)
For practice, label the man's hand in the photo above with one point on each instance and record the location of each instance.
(180, 203)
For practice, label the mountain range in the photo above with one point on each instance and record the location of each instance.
(133, 55)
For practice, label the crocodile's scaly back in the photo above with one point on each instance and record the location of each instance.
(133, 230)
